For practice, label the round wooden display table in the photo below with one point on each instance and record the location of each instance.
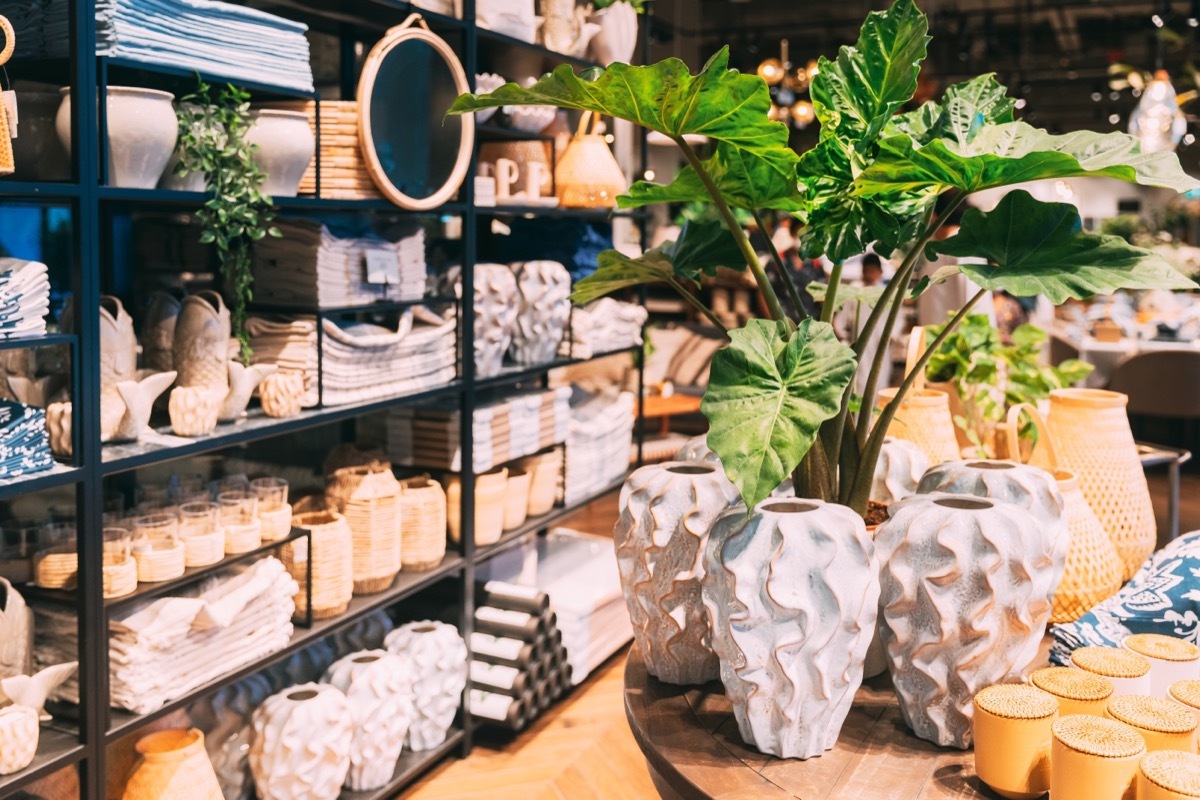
(693, 749)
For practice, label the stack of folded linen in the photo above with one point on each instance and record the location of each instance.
(598, 442)
(310, 267)
(290, 343)
(24, 443)
(363, 361)
(603, 326)
(220, 39)
(28, 18)
(428, 436)
(167, 647)
(24, 298)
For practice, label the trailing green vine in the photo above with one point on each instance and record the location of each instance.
(213, 122)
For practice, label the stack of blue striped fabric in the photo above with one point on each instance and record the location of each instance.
(24, 444)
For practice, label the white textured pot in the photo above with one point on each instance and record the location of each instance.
(898, 471)
(617, 38)
(19, 731)
(379, 687)
(439, 660)
(666, 513)
(543, 309)
(697, 449)
(301, 748)
(495, 316)
(791, 593)
(142, 130)
(965, 596)
(285, 145)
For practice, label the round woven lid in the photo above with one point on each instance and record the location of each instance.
(1112, 662)
(1016, 701)
(1098, 736)
(1152, 713)
(1173, 770)
(1186, 692)
(1073, 684)
(1166, 648)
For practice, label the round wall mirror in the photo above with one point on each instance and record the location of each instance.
(417, 156)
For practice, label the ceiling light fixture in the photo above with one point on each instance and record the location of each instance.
(1157, 120)
(787, 82)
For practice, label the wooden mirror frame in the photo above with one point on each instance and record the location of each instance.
(412, 28)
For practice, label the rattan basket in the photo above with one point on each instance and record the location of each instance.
(422, 523)
(242, 537)
(332, 563)
(489, 505)
(201, 550)
(120, 575)
(159, 560)
(367, 497)
(276, 524)
(923, 417)
(588, 175)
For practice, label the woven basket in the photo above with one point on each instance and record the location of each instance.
(276, 524)
(367, 497)
(350, 455)
(923, 417)
(201, 550)
(332, 563)
(7, 164)
(160, 560)
(545, 471)
(120, 575)
(523, 153)
(422, 523)
(57, 567)
(588, 175)
(242, 537)
(1094, 569)
(1092, 439)
(516, 498)
(489, 505)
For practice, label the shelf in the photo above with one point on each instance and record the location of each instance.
(556, 212)
(190, 77)
(56, 749)
(406, 584)
(38, 191)
(487, 37)
(514, 537)
(45, 340)
(58, 475)
(517, 373)
(117, 195)
(159, 446)
(383, 306)
(410, 766)
(488, 131)
(366, 14)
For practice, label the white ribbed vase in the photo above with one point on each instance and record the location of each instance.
(965, 596)
(543, 309)
(439, 661)
(379, 688)
(898, 470)
(301, 747)
(666, 512)
(697, 449)
(791, 593)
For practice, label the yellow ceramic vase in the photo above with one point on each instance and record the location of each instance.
(174, 765)
(1169, 775)
(1093, 758)
(1128, 671)
(1171, 659)
(1012, 731)
(1163, 724)
(1077, 691)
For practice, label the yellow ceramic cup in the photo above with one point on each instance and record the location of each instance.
(1186, 693)
(1169, 775)
(1093, 758)
(1012, 739)
(1171, 659)
(1128, 671)
(1163, 724)
(1077, 691)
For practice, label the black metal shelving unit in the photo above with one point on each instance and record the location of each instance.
(100, 216)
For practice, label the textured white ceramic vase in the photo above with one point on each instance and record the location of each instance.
(697, 449)
(379, 688)
(898, 471)
(543, 309)
(19, 733)
(617, 38)
(142, 130)
(495, 316)
(302, 742)
(285, 145)
(439, 662)
(666, 513)
(791, 593)
(965, 595)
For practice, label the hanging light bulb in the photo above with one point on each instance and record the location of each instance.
(771, 71)
(1157, 120)
(803, 114)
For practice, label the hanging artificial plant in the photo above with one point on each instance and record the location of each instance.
(213, 122)
(779, 395)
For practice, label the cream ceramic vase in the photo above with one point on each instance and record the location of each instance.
(791, 594)
(617, 38)
(127, 394)
(495, 315)
(965, 595)
(543, 309)
(439, 662)
(286, 146)
(201, 343)
(898, 471)
(19, 732)
(16, 632)
(58, 426)
(173, 764)
(142, 130)
(193, 411)
(379, 688)
(282, 394)
(302, 743)
(666, 511)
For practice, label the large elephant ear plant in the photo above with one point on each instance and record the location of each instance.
(779, 396)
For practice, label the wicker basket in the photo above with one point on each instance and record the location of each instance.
(923, 417)
(545, 484)
(159, 560)
(332, 563)
(516, 498)
(367, 497)
(57, 567)
(242, 537)
(588, 175)
(489, 505)
(203, 549)
(1092, 439)
(1094, 569)
(422, 523)
(276, 524)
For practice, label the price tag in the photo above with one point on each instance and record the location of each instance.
(382, 266)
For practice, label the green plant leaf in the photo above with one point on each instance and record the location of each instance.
(974, 104)
(702, 247)
(768, 393)
(757, 183)
(846, 293)
(1035, 248)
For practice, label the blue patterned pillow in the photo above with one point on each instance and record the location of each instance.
(1163, 597)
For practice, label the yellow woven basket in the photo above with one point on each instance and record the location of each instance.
(422, 523)
(924, 415)
(588, 175)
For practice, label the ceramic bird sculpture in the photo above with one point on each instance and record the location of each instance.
(32, 690)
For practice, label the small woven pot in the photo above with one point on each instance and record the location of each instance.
(57, 568)
(516, 498)
(1093, 757)
(1187, 693)
(120, 575)
(1168, 775)
(422, 523)
(242, 537)
(160, 561)
(276, 524)
(332, 563)
(193, 410)
(1171, 659)
(489, 505)
(281, 394)
(1077, 691)
(366, 497)
(1163, 724)
(1012, 733)
(1128, 672)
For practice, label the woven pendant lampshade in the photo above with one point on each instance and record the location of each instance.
(588, 175)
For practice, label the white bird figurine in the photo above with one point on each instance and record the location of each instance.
(32, 690)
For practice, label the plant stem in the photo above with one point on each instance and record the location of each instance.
(696, 304)
(784, 275)
(829, 307)
(739, 235)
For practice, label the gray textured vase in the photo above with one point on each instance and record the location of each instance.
(285, 146)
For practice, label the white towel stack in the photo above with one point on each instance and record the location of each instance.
(289, 342)
(24, 298)
(602, 326)
(598, 443)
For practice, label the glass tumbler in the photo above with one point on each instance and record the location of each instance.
(272, 493)
(238, 508)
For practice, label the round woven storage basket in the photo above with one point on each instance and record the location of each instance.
(242, 537)
(367, 497)
(120, 575)
(57, 568)
(923, 417)
(332, 565)
(489, 505)
(276, 524)
(422, 523)
(203, 549)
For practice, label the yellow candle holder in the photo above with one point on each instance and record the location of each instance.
(1012, 732)
(1163, 724)
(1171, 659)
(1093, 758)
(1077, 691)
(1169, 775)
(1186, 693)
(1128, 671)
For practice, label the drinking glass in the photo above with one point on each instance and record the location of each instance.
(272, 493)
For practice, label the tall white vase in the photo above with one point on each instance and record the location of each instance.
(791, 593)
(439, 661)
(666, 513)
(898, 470)
(495, 316)
(379, 688)
(617, 38)
(302, 740)
(965, 595)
